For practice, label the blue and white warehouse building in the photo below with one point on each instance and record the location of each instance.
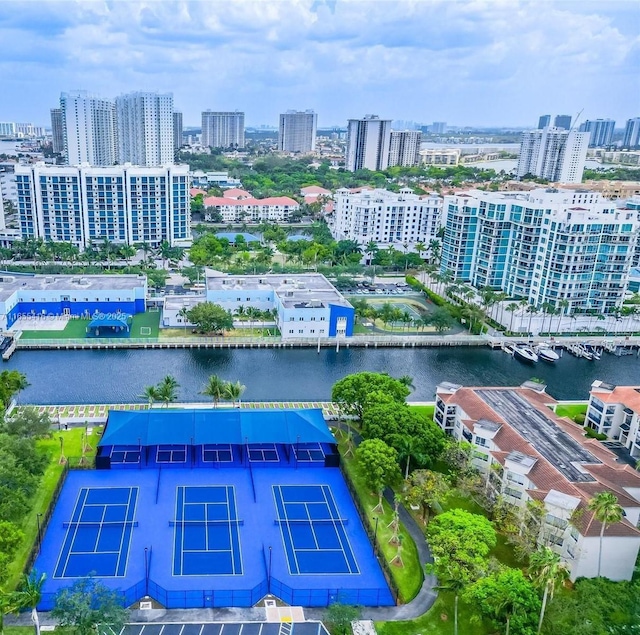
(304, 305)
(62, 295)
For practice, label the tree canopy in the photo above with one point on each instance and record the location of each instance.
(355, 391)
(210, 318)
(87, 604)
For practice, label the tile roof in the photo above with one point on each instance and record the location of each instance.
(235, 192)
(218, 201)
(627, 395)
(609, 475)
(314, 189)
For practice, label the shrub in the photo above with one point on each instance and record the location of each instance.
(579, 418)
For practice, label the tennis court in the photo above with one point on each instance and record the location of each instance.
(98, 535)
(314, 536)
(206, 531)
(403, 306)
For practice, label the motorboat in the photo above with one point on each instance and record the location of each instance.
(525, 354)
(509, 348)
(595, 353)
(547, 354)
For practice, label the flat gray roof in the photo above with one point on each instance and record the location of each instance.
(299, 291)
(553, 443)
(9, 283)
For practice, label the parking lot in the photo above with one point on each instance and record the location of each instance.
(368, 288)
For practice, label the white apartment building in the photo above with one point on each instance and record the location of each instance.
(524, 453)
(7, 129)
(548, 246)
(243, 207)
(125, 204)
(435, 156)
(631, 137)
(89, 129)
(386, 218)
(600, 131)
(145, 128)
(223, 129)
(368, 143)
(404, 146)
(615, 411)
(554, 154)
(297, 131)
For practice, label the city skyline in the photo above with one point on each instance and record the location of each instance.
(415, 61)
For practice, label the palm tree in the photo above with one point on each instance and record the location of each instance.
(563, 305)
(29, 595)
(512, 307)
(407, 380)
(215, 388)
(607, 511)
(531, 310)
(168, 390)
(546, 570)
(234, 391)
(150, 393)
(9, 603)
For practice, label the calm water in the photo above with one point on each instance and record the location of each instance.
(62, 377)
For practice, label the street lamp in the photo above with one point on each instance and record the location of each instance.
(38, 517)
(375, 537)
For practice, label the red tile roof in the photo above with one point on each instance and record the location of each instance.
(314, 189)
(194, 191)
(215, 201)
(627, 395)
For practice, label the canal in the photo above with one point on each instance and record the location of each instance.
(65, 377)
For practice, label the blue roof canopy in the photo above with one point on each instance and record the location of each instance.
(197, 427)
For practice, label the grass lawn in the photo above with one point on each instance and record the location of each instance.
(72, 448)
(571, 410)
(408, 578)
(437, 621)
(425, 411)
(246, 332)
(77, 328)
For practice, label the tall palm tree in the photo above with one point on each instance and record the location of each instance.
(233, 391)
(546, 570)
(29, 595)
(407, 380)
(562, 305)
(168, 390)
(9, 603)
(607, 511)
(150, 393)
(215, 388)
(512, 307)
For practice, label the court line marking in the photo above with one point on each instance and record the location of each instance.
(293, 549)
(131, 512)
(64, 542)
(182, 522)
(325, 489)
(333, 519)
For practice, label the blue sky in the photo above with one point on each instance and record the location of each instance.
(476, 62)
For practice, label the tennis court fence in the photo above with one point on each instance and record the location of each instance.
(366, 523)
(42, 520)
(327, 596)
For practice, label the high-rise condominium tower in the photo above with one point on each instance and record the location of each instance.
(563, 122)
(404, 146)
(368, 143)
(553, 154)
(223, 129)
(631, 137)
(89, 129)
(297, 131)
(57, 130)
(601, 131)
(544, 122)
(145, 128)
(177, 130)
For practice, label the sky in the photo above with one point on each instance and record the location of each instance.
(466, 62)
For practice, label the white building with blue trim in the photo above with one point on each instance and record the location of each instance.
(33, 297)
(124, 204)
(304, 305)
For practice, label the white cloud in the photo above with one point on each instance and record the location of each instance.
(492, 62)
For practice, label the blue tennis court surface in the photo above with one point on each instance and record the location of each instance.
(314, 536)
(206, 532)
(98, 534)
